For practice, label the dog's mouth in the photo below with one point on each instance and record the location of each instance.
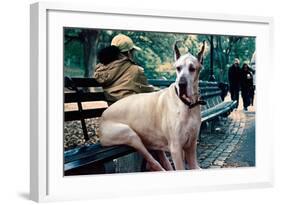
(183, 92)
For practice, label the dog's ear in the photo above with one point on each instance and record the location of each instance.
(201, 53)
(177, 52)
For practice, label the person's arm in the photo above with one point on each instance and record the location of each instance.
(230, 75)
(141, 80)
(252, 71)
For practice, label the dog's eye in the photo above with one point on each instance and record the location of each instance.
(178, 68)
(191, 68)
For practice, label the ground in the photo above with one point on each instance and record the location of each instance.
(229, 142)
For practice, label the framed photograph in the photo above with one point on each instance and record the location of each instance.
(122, 97)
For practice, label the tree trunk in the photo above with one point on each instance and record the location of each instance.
(212, 77)
(218, 56)
(90, 51)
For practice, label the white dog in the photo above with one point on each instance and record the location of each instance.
(167, 120)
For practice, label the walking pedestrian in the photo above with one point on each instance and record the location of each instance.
(234, 75)
(246, 85)
(253, 71)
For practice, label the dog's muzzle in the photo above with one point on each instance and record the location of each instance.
(183, 90)
(182, 94)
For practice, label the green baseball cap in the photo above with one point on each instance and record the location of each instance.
(124, 43)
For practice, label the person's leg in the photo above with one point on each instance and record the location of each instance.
(231, 91)
(244, 98)
(236, 96)
(248, 99)
(252, 95)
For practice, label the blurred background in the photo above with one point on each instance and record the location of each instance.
(82, 45)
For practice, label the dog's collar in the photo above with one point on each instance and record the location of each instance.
(189, 104)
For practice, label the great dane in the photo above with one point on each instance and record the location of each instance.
(168, 120)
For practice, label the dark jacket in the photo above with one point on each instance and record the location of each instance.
(121, 77)
(246, 80)
(234, 77)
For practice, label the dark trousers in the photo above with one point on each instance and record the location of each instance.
(246, 97)
(234, 93)
(252, 95)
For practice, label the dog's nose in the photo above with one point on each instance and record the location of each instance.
(182, 80)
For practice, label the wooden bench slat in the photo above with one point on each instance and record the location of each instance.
(84, 97)
(206, 89)
(167, 83)
(86, 151)
(160, 83)
(210, 94)
(207, 84)
(217, 110)
(82, 82)
(85, 114)
(94, 154)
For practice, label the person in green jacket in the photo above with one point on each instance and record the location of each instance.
(117, 72)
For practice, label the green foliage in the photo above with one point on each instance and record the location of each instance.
(73, 53)
(157, 57)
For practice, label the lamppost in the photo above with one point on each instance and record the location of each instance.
(212, 77)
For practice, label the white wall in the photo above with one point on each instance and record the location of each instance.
(14, 92)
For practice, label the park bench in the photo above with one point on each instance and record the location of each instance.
(96, 159)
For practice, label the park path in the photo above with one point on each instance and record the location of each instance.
(231, 142)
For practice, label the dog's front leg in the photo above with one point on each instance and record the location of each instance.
(164, 161)
(177, 155)
(191, 155)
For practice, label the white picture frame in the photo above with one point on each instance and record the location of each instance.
(47, 182)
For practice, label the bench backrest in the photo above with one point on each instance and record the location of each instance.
(80, 100)
(211, 93)
(76, 93)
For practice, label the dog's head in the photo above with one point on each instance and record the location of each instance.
(188, 69)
